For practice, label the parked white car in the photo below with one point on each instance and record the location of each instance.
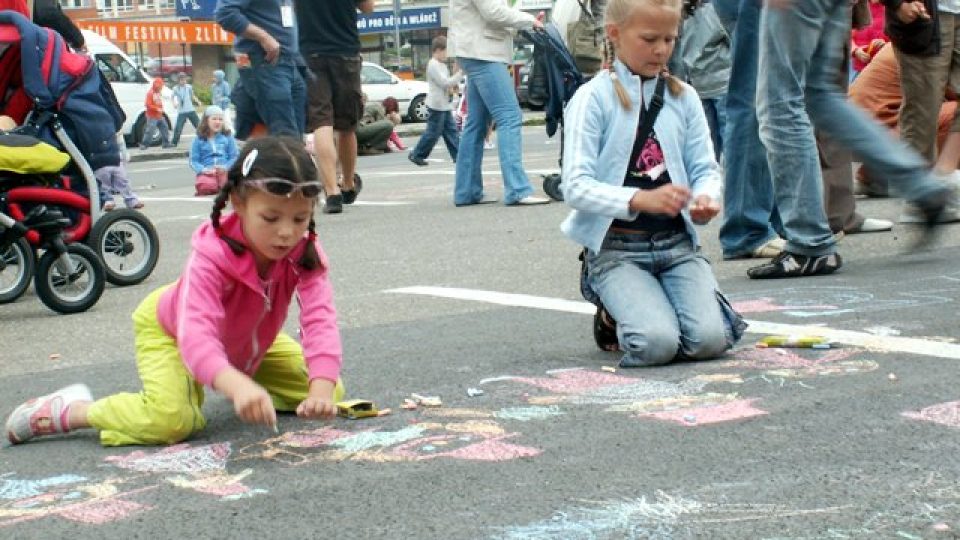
(129, 83)
(379, 84)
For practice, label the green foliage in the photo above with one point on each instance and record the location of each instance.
(203, 94)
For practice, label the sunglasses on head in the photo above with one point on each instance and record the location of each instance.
(282, 187)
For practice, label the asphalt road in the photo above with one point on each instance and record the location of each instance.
(859, 441)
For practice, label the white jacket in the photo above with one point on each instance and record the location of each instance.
(483, 29)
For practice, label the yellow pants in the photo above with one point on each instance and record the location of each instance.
(167, 410)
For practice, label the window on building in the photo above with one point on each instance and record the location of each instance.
(118, 5)
(74, 3)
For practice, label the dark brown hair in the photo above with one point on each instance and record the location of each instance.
(277, 157)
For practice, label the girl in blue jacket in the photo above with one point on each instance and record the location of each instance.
(212, 153)
(635, 201)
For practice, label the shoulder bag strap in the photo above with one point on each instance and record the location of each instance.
(650, 116)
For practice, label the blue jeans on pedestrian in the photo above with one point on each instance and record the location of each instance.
(439, 123)
(152, 125)
(749, 213)
(279, 93)
(181, 121)
(490, 94)
(801, 50)
(716, 111)
(664, 297)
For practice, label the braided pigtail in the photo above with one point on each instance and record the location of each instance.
(310, 258)
(219, 203)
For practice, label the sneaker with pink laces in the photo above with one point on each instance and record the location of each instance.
(45, 415)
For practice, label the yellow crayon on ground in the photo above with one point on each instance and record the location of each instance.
(804, 342)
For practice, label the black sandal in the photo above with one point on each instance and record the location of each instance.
(605, 331)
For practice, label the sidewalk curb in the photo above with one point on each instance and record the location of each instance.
(405, 130)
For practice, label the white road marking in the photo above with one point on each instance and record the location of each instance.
(849, 337)
(152, 169)
(180, 218)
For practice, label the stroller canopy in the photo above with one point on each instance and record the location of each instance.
(39, 73)
(563, 76)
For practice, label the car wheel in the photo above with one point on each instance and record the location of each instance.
(418, 109)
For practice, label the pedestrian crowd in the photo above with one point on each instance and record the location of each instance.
(691, 110)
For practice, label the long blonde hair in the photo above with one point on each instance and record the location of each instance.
(618, 12)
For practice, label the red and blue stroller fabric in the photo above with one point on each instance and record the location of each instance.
(58, 84)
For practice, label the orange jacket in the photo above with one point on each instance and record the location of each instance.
(154, 100)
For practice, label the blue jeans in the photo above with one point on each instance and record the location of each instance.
(490, 94)
(748, 209)
(181, 121)
(278, 92)
(664, 297)
(152, 125)
(438, 123)
(716, 111)
(801, 48)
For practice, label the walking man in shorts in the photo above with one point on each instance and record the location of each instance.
(330, 43)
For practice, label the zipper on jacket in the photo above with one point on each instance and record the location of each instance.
(267, 306)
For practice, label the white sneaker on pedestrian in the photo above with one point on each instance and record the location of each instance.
(44, 415)
(530, 200)
(870, 225)
(489, 145)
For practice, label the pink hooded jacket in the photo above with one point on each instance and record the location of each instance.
(221, 313)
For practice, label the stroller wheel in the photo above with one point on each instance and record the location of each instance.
(128, 245)
(551, 186)
(16, 268)
(72, 285)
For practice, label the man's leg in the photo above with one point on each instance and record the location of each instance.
(275, 98)
(923, 80)
(450, 135)
(178, 128)
(748, 189)
(435, 124)
(788, 39)
(829, 109)
(326, 151)
(347, 152)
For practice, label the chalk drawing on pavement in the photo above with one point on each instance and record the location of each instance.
(814, 301)
(791, 363)
(946, 414)
(478, 439)
(685, 402)
(661, 516)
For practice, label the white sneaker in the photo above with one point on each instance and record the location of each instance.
(530, 200)
(43, 415)
(489, 145)
(870, 225)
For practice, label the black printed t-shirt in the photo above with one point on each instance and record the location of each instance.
(328, 27)
(648, 170)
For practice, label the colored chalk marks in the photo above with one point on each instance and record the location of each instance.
(662, 516)
(477, 439)
(737, 409)
(792, 364)
(945, 414)
(820, 301)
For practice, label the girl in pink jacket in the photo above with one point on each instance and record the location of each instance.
(218, 326)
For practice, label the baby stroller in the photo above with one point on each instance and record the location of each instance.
(553, 64)
(61, 98)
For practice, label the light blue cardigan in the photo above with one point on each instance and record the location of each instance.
(598, 139)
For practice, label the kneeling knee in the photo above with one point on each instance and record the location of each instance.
(704, 345)
(173, 426)
(651, 349)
